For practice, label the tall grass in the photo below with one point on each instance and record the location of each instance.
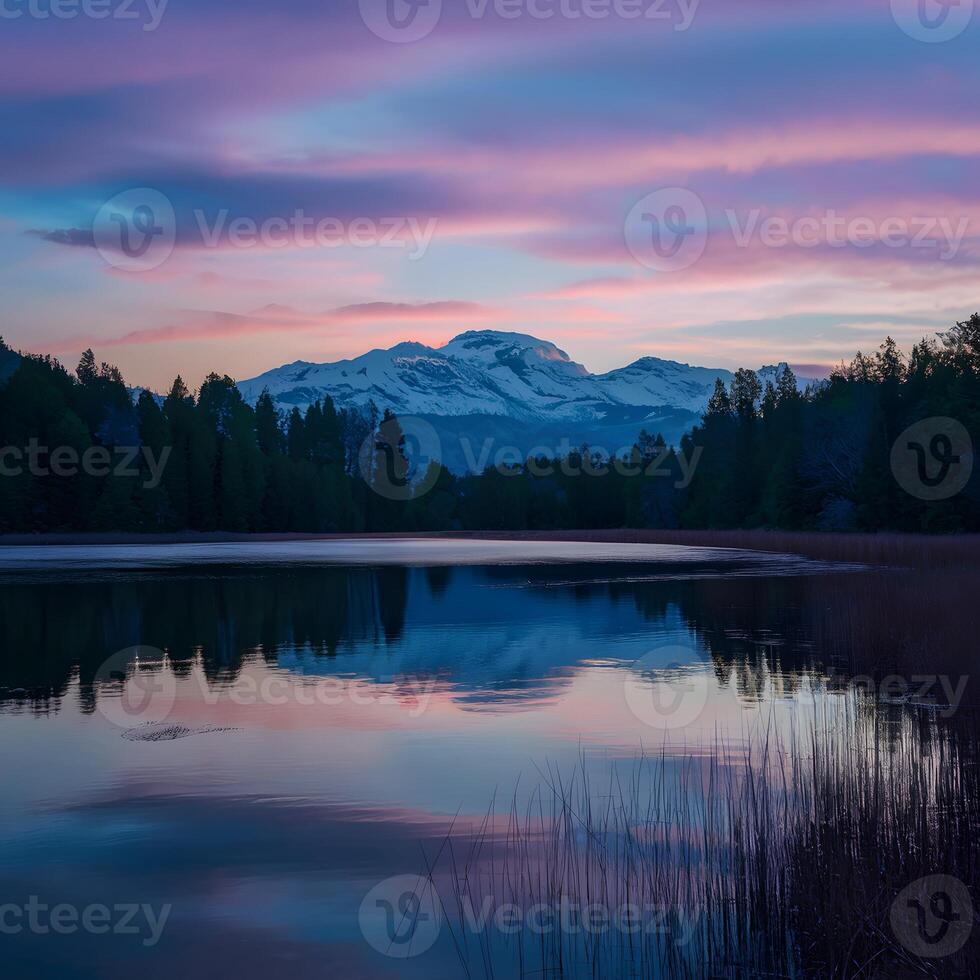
(779, 858)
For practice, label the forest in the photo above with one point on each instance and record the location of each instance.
(886, 443)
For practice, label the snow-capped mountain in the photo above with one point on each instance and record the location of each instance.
(510, 385)
(491, 373)
(476, 374)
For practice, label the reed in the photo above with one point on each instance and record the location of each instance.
(779, 856)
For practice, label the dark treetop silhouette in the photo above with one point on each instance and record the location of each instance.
(764, 458)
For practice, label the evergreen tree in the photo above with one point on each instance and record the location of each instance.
(746, 391)
(820, 459)
(719, 404)
(770, 400)
(787, 391)
(296, 436)
(86, 371)
(268, 428)
(178, 411)
(889, 363)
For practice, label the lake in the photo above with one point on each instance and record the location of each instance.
(397, 758)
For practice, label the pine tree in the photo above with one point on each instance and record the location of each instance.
(889, 364)
(770, 400)
(719, 404)
(746, 391)
(86, 371)
(922, 360)
(962, 344)
(787, 390)
(268, 430)
(296, 436)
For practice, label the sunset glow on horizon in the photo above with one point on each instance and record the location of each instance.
(337, 186)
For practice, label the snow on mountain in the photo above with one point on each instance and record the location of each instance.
(772, 372)
(510, 385)
(652, 381)
(490, 373)
(482, 373)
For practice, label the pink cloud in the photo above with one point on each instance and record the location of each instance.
(741, 150)
(278, 319)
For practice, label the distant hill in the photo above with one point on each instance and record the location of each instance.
(512, 388)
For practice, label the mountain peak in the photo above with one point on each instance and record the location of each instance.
(495, 385)
(492, 373)
(474, 340)
(495, 337)
(650, 361)
(408, 348)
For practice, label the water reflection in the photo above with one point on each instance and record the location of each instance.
(492, 634)
(327, 725)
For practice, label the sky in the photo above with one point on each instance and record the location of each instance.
(230, 185)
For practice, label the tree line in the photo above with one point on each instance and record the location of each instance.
(773, 456)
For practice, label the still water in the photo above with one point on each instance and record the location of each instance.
(233, 745)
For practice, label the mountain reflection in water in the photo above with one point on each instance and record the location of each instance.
(331, 722)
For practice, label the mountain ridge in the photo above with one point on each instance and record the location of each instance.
(492, 373)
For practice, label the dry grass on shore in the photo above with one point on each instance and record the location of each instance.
(908, 550)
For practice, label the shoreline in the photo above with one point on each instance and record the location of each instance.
(917, 550)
